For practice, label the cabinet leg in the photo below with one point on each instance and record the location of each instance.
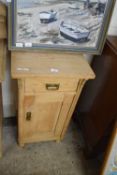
(58, 140)
(21, 144)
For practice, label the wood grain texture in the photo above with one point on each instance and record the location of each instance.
(36, 85)
(2, 9)
(44, 109)
(73, 105)
(35, 64)
(44, 114)
(3, 31)
(20, 112)
(3, 23)
(68, 99)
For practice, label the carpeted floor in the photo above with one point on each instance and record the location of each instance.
(46, 158)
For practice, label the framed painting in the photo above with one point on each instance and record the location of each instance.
(68, 25)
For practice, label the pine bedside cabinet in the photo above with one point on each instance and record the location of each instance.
(49, 85)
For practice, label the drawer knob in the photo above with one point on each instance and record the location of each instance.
(28, 116)
(52, 87)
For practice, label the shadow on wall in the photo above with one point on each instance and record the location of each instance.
(9, 90)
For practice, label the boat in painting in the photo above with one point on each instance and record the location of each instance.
(48, 16)
(74, 33)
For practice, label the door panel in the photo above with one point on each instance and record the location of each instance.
(41, 113)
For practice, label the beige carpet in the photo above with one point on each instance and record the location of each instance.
(46, 158)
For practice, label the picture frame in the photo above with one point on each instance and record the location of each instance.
(61, 25)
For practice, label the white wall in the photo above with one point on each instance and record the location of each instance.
(113, 25)
(9, 87)
(112, 28)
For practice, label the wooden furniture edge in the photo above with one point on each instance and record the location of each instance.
(109, 148)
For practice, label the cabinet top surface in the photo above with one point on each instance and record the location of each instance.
(34, 64)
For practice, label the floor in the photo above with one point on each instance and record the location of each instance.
(46, 158)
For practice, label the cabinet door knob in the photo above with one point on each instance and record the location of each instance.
(52, 87)
(28, 116)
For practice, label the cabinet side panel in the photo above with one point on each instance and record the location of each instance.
(68, 99)
(79, 89)
(20, 112)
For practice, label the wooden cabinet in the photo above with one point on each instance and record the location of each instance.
(49, 86)
(44, 115)
(97, 107)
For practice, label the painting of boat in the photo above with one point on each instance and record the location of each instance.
(74, 33)
(48, 16)
(73, 25)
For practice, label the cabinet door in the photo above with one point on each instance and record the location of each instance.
(44, 118)
(41, 115)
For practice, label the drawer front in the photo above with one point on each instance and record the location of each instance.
(35, 85)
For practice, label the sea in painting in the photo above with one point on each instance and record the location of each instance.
(60, 22)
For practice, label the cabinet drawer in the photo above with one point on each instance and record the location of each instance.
(35, 85)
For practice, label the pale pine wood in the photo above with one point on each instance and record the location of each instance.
(2, 9)
(35, 64)
(75, 100)
(20, 112)
(48, 115)
(51, 110)
(36, 85)
(40, 138)
(68, 99)
(3, 28)
(45, 109)
(3, 31)
(2, 19)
